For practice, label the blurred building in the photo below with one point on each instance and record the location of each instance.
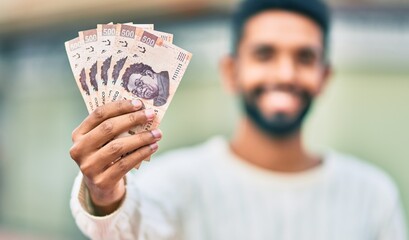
(363, 112)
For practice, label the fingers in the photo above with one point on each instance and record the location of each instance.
(124, 165)
(121, 147)
(105, 168)
(105, 112)
(111, 128)
(97, 154)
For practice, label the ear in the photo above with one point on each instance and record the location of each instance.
(227, 69)
(327, 73)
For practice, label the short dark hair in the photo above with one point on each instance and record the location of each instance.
(313, 9)
(134, 68)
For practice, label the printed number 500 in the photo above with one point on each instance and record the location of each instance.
(127, 33)
(148, 41)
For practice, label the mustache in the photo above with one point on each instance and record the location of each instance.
(289, 88)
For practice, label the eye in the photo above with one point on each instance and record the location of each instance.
(307, 56)
(264, 53)
(138, 83)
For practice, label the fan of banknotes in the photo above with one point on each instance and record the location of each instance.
(127, 61)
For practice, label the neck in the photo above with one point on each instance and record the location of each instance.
(276, 154)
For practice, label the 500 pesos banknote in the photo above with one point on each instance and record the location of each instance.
(107, 37)
(153, 73)
(89, 41)
(75, 56)
(124, 41)
(127, 61)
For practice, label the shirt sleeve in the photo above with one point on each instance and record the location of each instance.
(394, 225)
(138, 217)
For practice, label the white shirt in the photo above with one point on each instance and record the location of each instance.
(206, 192)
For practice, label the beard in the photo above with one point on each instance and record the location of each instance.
(278, 125)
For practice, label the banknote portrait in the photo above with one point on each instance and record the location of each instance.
(92, 76)
(117, 68)
(142, 81)
(82, 79)
(104, 70)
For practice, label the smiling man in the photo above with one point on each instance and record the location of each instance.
(278, 69)
(261, 184)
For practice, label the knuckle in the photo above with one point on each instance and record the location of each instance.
(99, 113)
(115, 147)
(75, 152)
(74, 135)
(122, 166)
(107, 127)
(133, 118)
(86, 170)
(119, 105)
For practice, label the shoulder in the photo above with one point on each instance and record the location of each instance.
(363, 176)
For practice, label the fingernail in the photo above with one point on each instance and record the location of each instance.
(136, 103)
(149, 114)
(157, 134)
(154, 147)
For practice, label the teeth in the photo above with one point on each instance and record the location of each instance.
(277, 100)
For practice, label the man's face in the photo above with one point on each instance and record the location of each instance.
(144, 86)
(279, 69)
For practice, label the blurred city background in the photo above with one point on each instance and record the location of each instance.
(364, 112)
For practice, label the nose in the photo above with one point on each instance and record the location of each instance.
(284, 70)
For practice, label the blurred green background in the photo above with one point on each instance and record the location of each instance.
(364, 111)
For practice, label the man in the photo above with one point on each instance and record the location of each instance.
(140, 80)
(263, 183)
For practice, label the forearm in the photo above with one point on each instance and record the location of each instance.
(135, 218)
(115, 225)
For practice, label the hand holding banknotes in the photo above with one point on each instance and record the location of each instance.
(127, 75)
(103, 158)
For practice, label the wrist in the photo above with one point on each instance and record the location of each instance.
(106, 201)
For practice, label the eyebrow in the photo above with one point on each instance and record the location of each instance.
(310, 49)
(264, 47)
